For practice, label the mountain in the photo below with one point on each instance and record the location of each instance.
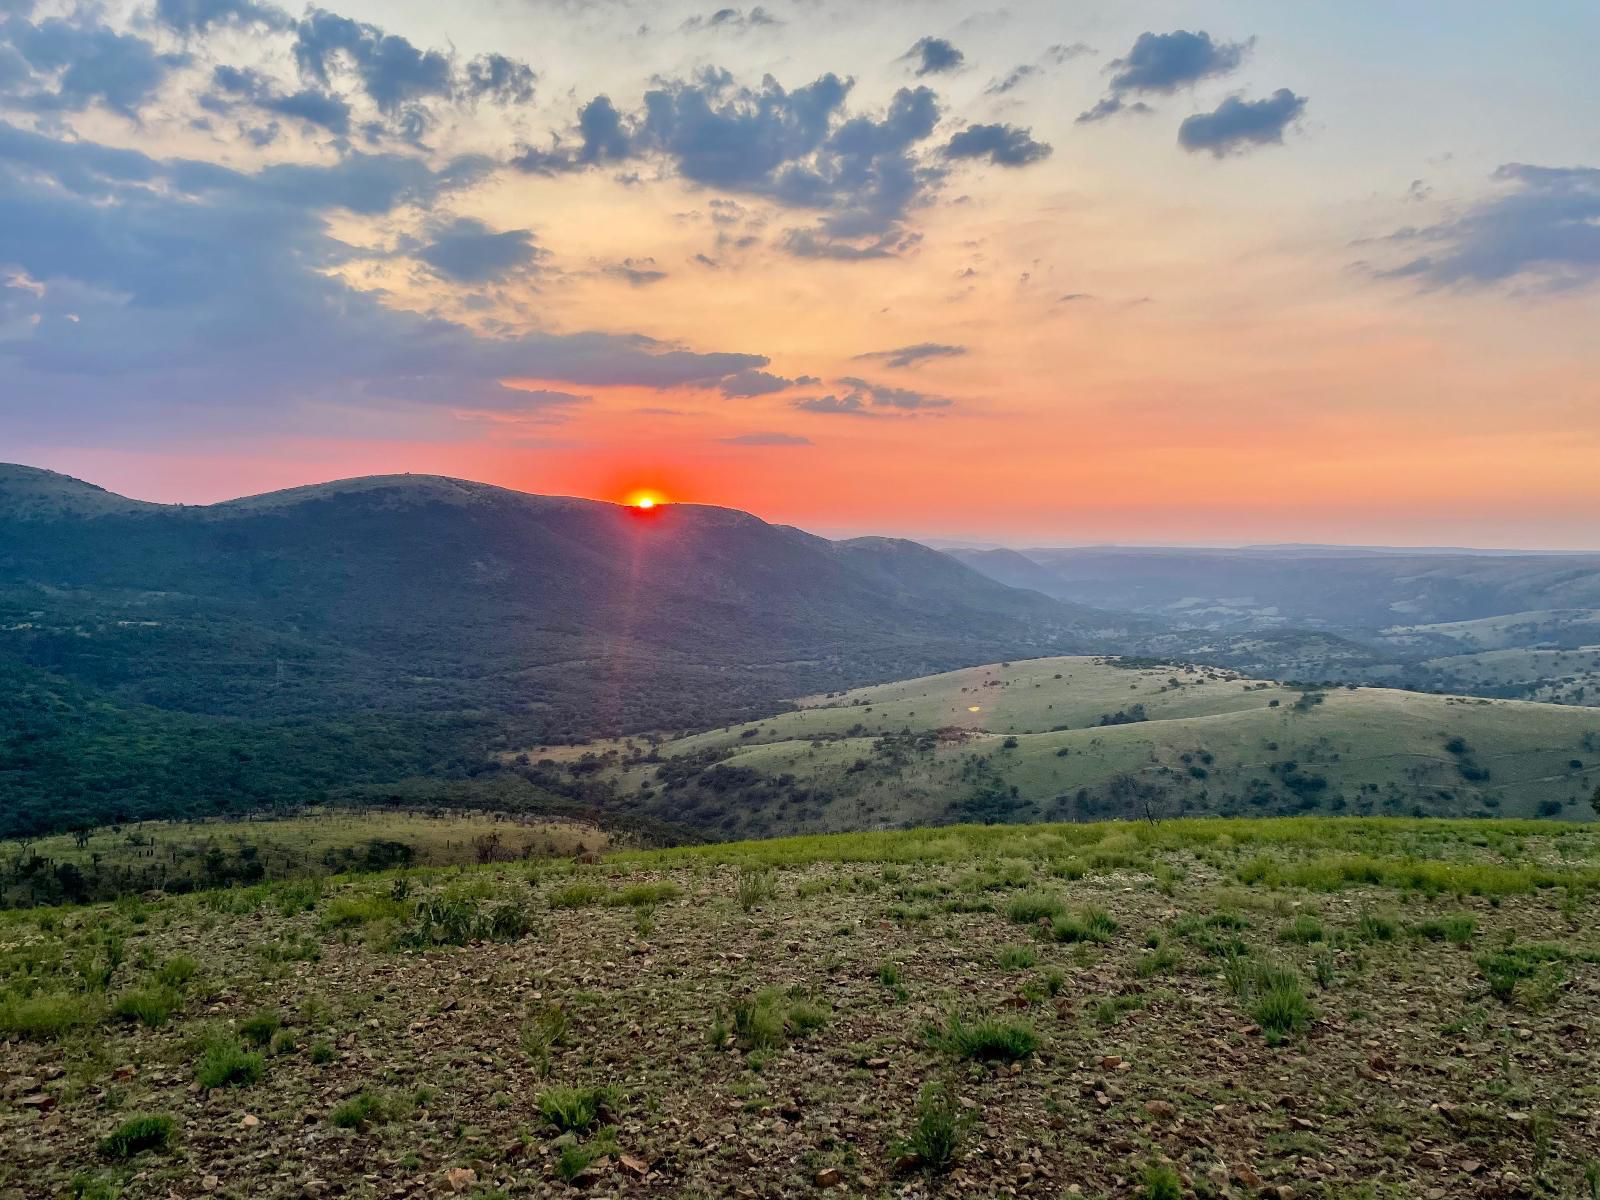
(426, 603)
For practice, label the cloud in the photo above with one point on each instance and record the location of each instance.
(861, 398)
(766, 439)
(74, 65)
(798, 148)
(465, 250)
(1054, 56)
(910, 356)
(198, 16)
(173, 285)
(934, 56)
(1540, 228)
(391, 69)
(1002, 145)
(501, 79)
(757, 383)
(1238, 125)
(325, 109)
(731, 19)
(636, 272)
(1162, 63)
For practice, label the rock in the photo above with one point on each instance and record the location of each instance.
(41, 1102)
(906, 1163)
(637, 1167)
(1246, 1176)
(313, 1189)
(460, 1178)
(210, 1183)
(1161, 1110)
(249, 1121)
(1284, 1192)
(828, 1177)
(1110, 1062)
(513, 1150)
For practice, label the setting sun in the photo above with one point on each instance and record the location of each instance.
(644, 499)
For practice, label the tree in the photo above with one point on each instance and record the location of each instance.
(1594, 801)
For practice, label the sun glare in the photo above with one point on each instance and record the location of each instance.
(645, 500)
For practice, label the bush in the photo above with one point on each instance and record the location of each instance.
(755, 886)
(148, 1006)
(1161, 1182)
(1457, 930)
(1282, 1010)
(138, 1135)
(1090, 925)
(575, 1109)
(577, 895)
(224, 1062)
(177, 971)
(1016, 958)
(989, 1039)
(1304, 930)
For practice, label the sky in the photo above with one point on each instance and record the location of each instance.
(1027, 273)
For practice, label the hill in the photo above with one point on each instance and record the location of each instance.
(1320, 1009)
(448, 616)
(1080, 738)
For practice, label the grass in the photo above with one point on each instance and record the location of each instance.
(987, 1039)
(1016, 958)
(1457, 930)
(138, 1135)
(1274, 994)
(575, 1109)
(258, 1028)
(1032, 907)
(46, 1016)
(363, 1109)
(1160, 1182)
(938, 1128)
(224, 1062)
(1090, 925)
(150, 1006)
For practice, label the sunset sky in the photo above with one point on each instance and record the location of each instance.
(1033, 273)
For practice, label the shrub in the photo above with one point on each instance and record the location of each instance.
(758, 1023)
(1304, 929)
(541, 1032)
(1457, 929)
(224, 1062)
(1372, 927)
(988, 1039)
(321, 1052)
(346, 911)
(937, 1132)
(1282, 1010)
(575, 1109)
(645, 895)
(1032, 907)
(138, 1135)
(148, 1006)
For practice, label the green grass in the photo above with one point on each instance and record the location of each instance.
(987, 1039)
(1032, 907)
(138, 1135)
(939, 1127)
(1457, 930)
(1089, 925)
(224, 1062)
(1016, 958)
(1160, 1182)
(575, 1109)
(46, 1015)
(578, 895)
(259, 1028)
(177, 972)
(363, 1109)
(151, 1006)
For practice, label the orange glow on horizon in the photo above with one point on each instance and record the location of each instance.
(644, 499)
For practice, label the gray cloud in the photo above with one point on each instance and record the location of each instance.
(206, 290)
(1161, 63)
(861, 398)
(465, 250)
(910, 356)
(766, 439)
(757, 383)
(1002, 145)
(498, 78)
(198, 16)
(72, 64)
(636, 272)
(1541, 228)
(325, 109)
(1053, 56)
(735, 19)
(934, 56)
(1238, 125)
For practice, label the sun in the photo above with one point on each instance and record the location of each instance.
(644, 501)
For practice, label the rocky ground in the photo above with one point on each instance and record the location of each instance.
(765, 1033)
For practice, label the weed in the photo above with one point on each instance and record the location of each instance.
(363, 1109)
(1303, 930)
(148, 1006)
(577, 895)
(1031, 907)
(224, 1062)
(46, 1015)
(1161, 1182)
(1016, 958)
(754, 887)
(259, 1028)
(575, 1109)
(987, 1039)
(177, 972)
(1091, 925)
(939, 1127)
(138, 1135)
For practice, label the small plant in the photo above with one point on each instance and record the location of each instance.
(1161, 960)
(575, 1109)
(541, 1032)
(578, 1157)
(1457, 929)
(988, 1039)
(321, 1052)
(148, 1006)
(1016, 958)
(1112, 1009)
(754, 887)
(1282, 1010)
(363, 1109)
(177, 972)
(938, 1129)
(1091, 925)
(1373, 927)
(758, 1023)
(889, 976)
(224, 1062)
(1161, 1182)
(46, 1016)
(578, 895)
(259, 1028)
(1304, 930)
(138, 1135)
(1031, 907)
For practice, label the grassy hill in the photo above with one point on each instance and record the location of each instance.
(1328, 1009)
(1076, 738)
(369, 630)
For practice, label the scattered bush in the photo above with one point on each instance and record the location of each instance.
(987, 1039)
(224, 1062)
(1016, 958)
(1161, 1182)
(1091, 925)
(150, 1006)
(46, 1015)
(362, 1109)
(177, 972)
(575, 1109)
(258, 1028)
(755, 886)
(1031, 907)
(938, 1130)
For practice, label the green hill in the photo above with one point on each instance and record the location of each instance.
(1075, 738)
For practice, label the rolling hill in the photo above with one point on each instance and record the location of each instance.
(1077, 738)
(345, 616)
